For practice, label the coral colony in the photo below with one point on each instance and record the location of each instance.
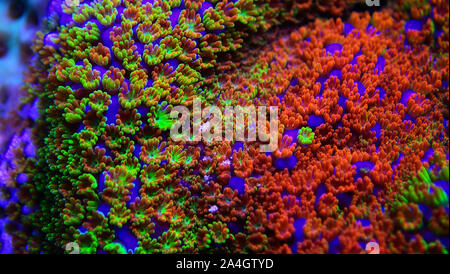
(353, 100)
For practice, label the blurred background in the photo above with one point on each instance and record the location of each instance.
(19, 22)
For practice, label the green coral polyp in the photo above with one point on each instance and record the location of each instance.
(305, 136)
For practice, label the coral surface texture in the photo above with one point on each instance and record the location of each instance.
(361, 155)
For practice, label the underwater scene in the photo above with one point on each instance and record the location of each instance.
(224, 126)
